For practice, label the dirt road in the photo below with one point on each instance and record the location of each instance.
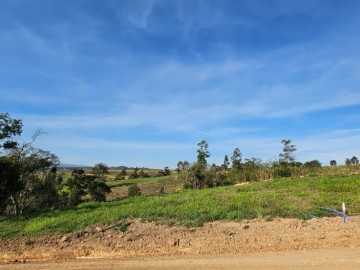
(348, 258)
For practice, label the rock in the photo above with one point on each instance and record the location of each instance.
(174, 242)
(65, 238)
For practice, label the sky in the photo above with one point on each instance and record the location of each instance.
(142, 82)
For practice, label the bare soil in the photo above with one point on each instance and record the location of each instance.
(277, 244)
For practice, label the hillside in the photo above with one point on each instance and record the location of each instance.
(286, 197)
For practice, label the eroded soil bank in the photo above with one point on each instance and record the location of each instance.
(150, 242)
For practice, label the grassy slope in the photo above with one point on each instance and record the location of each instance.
(292, 197)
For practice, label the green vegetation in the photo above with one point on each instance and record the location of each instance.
(129, 182)
(36, 198)
(134, 191)
(30, 180)
(283, 197)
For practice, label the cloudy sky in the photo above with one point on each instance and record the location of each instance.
(140, 83)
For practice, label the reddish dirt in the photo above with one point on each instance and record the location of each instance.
(234, 242)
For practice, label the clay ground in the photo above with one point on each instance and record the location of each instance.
(256, 244)
(316, 260)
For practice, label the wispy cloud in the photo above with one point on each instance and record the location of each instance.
(235, 72)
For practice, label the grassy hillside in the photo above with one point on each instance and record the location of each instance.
(288, 197)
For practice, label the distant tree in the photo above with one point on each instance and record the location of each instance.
(236, 160)
(347, 161)
(226, 163)
(100, 170)
(182, 165)
(143, 174)
(354, 160)
(134, 190)
(121, 175)
(333, 162)
(167, 171)
(134, 174)
(287, 156)
(203, 153)
(312, 165)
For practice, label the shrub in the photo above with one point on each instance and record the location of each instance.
(134, 190)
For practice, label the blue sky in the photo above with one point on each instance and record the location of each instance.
(140, 83)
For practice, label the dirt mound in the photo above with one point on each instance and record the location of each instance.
(133, 239)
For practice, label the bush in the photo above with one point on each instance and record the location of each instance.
(134, 190)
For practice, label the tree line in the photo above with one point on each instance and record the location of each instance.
(200, 174)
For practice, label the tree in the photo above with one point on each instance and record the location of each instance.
(28, 177)
(121, 175)
(9, 180)
(312, 165)
(182, 166)
(38, 177)
(226, 163)
(287, 156)
(199, 168)
(134, 174)
(203, 153)
(143, 174)
(9, 128)
(347, 161)
(236, 160)
(167, 171)
(100, 170)
(333, 162)
(354, 160)
(81, 185)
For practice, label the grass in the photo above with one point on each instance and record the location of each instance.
(129, 182)
(287, 197)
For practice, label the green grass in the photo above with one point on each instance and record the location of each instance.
(129, 182)
(288, 197)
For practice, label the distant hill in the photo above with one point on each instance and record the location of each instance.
(77, 166)
(128, 168)
(72, 166)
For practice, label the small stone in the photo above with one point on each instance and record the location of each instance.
(65, 238)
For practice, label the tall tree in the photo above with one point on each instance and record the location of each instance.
(9, 128)
(203, 153)
(287, 156)
(226, 163)
(236, 160)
